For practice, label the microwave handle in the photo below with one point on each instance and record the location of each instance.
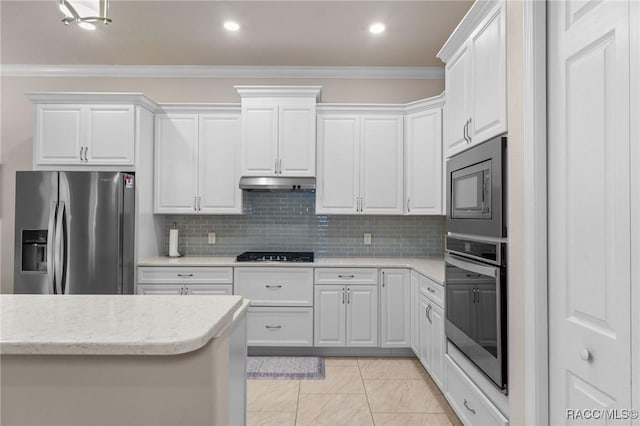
(473, 267)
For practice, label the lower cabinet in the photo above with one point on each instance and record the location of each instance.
(180, 280)
(414, 309)
(346, 315)
(432, 342)
(185, 289)
(395, 308)
(267, 326)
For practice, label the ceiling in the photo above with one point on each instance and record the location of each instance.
(273, 33)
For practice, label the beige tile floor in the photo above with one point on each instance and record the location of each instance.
(355, 391)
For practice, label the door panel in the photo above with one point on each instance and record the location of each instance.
(396, 310)
(259, 140)
(297, 134)
(111, 134)
(329, 313)
(160, 289)
(59, 134)
(438, 343)
(589, 206)
(456, 112)
(362, 315)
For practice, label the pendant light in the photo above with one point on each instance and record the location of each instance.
(85, 13)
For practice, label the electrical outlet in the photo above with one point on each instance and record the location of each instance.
(211, 238)
(367, 238)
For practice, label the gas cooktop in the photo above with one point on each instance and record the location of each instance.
(275, 256)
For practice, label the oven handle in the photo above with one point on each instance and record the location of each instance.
(488, 271)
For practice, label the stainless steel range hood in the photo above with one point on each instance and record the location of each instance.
(278, 183)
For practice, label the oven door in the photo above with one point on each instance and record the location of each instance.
(476, 314)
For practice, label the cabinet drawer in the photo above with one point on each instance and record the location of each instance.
(432, 290)
(180, 275)
(275, 286)
(280, 326)
(467, 400)
(346, 276)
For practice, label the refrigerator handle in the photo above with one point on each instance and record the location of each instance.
(51, 247)
(59, 248)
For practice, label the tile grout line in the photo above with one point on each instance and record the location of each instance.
(295, 417)
(366, 395)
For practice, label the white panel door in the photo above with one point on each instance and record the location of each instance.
(415, 317)
(396, 308)
(338, 164)
(589, 207)
(219, 164)
(438, 344)
(111, 135)
(160, 289)
(59, 134)
(176, 163)
(456, 112)
(329, 315)
(488, 95)
(381, 175)
(423, 163)
(259, 140)
(362, 315)
(297, 140)
(425, 332)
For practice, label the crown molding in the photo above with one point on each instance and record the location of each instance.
(92, 98)
(219, 71)
(278, 91)
(197, 108)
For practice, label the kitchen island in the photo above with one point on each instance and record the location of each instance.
(97, 360)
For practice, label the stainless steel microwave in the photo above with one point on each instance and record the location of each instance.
(476, 190)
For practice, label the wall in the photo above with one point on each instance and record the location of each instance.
(287, 222)
(16, 118)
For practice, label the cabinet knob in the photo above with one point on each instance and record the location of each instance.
(585, 355)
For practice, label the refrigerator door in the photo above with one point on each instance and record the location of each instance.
(92, 243)
(36, 202)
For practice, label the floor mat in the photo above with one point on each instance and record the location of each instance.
(285, 367)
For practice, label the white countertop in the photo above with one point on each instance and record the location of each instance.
(431, 267)
(112, 324)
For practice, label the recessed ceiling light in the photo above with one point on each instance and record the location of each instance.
(231, 26)
(377, 28)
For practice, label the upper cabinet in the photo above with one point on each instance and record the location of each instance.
(423, 158)
(475, 78)
(360, 163)
(86, 130)
(197, 163)
(278, 130)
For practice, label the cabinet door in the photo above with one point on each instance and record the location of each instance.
(111, 135)
(176, 163)
(425, 333)
(338, 164)
(329, 315)
(259, 139)
(58, 134)
(423, 163)
(381, 176)
(297, 140)
(456, 112)
(396, 309)
(219, 164)
(415, 309)
(362, 315)
(438, 344)
(488, 95)
(156, 289)
(209, 289)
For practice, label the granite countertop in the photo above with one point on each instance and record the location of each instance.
(431, 267)
(112, 324)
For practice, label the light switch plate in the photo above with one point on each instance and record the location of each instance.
(211, 238)
(367, 238)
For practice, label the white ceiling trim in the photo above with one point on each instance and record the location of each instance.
(219, 71)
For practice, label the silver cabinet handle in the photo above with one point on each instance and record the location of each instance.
(81, 149)
(430, 290)
(464, 131)
(429, 313)
(185, 275)
(187, 291)
(466, 405)
(279, 166)
(195, 204)
(361, 204)
(348, 295)
(382, 278)
(273, 286)
(343, 295)
(86, 151)
(357, 204)
(345, 276)
(272, 327)
(585, 355)
(182, 291)
(408, 205)
(469, 130)
(275, 167)
(199, 200)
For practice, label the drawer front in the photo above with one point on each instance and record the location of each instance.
(432, 290)
(467, 400)
(346, 276)
(275, 286)
(280, 326)
(209, 290)
(179, 275)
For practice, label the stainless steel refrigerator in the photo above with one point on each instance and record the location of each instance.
(74, 233)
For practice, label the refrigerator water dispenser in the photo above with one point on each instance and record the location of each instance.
(34, 250)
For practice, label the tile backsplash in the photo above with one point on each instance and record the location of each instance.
(286, 221)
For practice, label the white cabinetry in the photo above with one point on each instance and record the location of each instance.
(423, 161)
(281, 311)
(197, 163)
(396, 310)
(85, 131)
(431, 328)
(278, 130)
(360, 163)
(346, 312)
(185, 280)
(475, 78)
